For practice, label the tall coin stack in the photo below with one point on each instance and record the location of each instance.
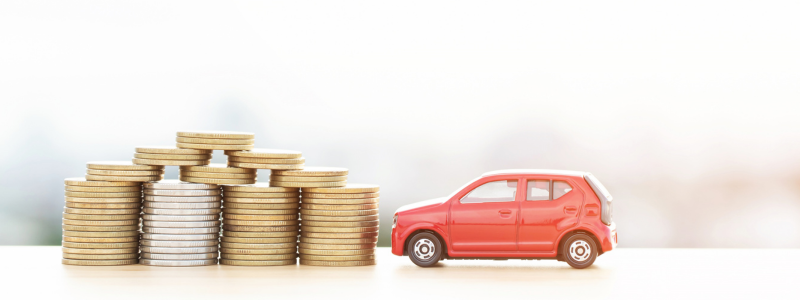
(217, 174)
(273, 159)
(309, 177)
(339, 225)
(170, 156)
(260, 225)
(215, 140)
(181, 224)
(101, 222)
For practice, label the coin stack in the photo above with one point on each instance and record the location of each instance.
(309, 177)
(181, 224)
(260, 225)
(273, 159)
(122, 171)
(215, 140)
(101, 222)
(217, 174)
(170, 156)
(339, 225)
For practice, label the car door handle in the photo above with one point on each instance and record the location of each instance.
(570, 210)
(505, 211)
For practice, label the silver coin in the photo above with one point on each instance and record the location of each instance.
(181, 224)
(183, 199)
(174, 184)
(166, 211)
(194, 256)
(179, 250)
(180, 230)
(180, 237)
(179, 244)
(184, 218)
(178, 263)
(182, 193)
(216, 204)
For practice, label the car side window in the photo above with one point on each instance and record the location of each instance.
(538, 190)
(493, 191)
(560, 188)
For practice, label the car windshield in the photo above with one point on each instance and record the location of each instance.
(462, 187)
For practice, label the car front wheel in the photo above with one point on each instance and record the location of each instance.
(425, 249)
(579, 251)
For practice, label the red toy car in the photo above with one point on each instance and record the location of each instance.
(519, 214)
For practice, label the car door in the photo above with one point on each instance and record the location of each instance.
(550, 206)
(485, 219)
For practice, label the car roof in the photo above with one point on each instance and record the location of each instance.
(535, 172)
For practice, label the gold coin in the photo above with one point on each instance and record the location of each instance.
(262, 206)
(336, 247)
(258, 251)
(339, 207)
(100, 256)
(340, 218)
(230, 239)
(265, 153)
(218, 175)
(252, 257)
(182, 205)
(340, 201)
(327, 235)
(260, 228)
(102, 205)
(89, 211)
(103, 195)
(307, 184)
(230, 216)
(215, 134)
(74, 239)
(86, 262)
(124, 173)
(262, 223)
(258, 188)
(229, 193)
(336, 252)
(101, 189)
(250, 234)
(100, 251)
(238, 211)
(101, 217)
(100, 223)
(308, 178)
(339, 229)
(341, 224)
(350, 188)
(172, 156)
(217, 168)
(124, 178)
(305, 193)
(104, 200)
(313, 171)
(99, 228)
(337, 241)
(101, 234)
(277, 161)
(164, 162)
(262, 200)
(337, 257)
(128, 245)
(265, 166)
(217, 181)
(257, 263)
(322, 263)
(171, 150)
(214, 141)
(166, 211)
(214, 146)
(120, 165)
(343, 213)
(80, 181)
(257, 246)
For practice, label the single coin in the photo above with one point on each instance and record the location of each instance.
(230, 239)
(100, 223)
(245, 234)
(260, 195)
(183, 218)
(265, 166)
(262, 206)
(182, 193)
(103, 195)
(314, 171)
(178, 263)
(257, 263)
(88, 211)
(180, 250)
(183, 199)
(266, 153)
(257, 246)
(124, 178)
(339, 212)
(217, 168)
(336, 252)
(230, 216)
(214, 146)
(164, 224)
(182, 205)
(338, 241)
(99, 228)
(120, 165)
(179, 237)
(100, 256)
(259, 257)
(279, 161)
(336, 247)
(73, 216)
(307, 184)
(217, 180)
(160, 230)
(216, 134)
(190, 256)
(340, 201)
(75, 239)
(341, 224)
(86, 262)
(172, 156)
(215, 141)
(102, 205)
(262, 223)
(328, 235)
(174, 184)
(104, 200)
(339, 207)
(308, 178)
(307, 194)
(258, 251)
(296, 201)
(100, 251)
(350, 188)
(170, 150)
(339, 229)
(171, 162)
(103, 189)
(100, 245)
(260, 228)
(100, 234)
(80, 181)
(124, 173)
(257, 188)
(322, 263)
(238, 211)
(340, 218)
(179, 244)
(218, 175)
(337, 257)
(166, 211)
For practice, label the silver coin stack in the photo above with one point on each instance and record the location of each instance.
(181, 224)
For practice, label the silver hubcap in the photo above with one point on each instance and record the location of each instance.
(424, 249)
(580, 250)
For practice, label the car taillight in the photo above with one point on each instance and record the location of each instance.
(394, 221)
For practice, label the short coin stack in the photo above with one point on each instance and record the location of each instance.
(101, 222)
(309, 177)
(273, 159)
(215, 140)
(170, 156)
(122, 171)
(339, 225)
(218, 174)
(181, 224)
(260, 225)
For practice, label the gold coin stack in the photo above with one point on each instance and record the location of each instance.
(339, 225)
(181, 224)
(170, 156)
(273, 159)
(215, 140)
(122, 171)
(309, 177)
(101, 222)
(218, 174)
(260, 225)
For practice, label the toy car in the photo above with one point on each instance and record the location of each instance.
(511, 214)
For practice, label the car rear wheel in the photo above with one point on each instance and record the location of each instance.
(579, 251)
(425, 249)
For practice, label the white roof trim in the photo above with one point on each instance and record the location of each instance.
(536, 172)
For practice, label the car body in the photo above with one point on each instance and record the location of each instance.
(512, 214)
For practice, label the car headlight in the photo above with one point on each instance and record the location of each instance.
(394, 221)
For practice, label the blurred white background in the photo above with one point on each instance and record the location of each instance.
(686, 110)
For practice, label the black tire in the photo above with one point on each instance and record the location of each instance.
(428, 252)
(575, 251)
